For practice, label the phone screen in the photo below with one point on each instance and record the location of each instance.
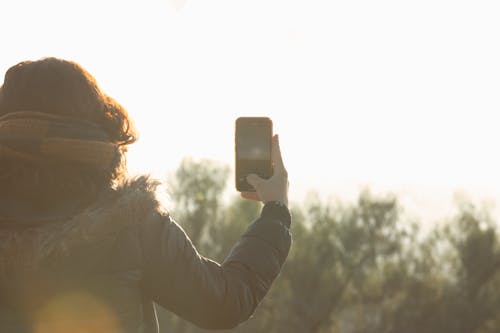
(253, 149)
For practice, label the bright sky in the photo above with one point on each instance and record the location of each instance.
(398, 96)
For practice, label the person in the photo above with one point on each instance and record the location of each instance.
(86, 248)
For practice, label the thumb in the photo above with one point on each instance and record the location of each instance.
(254, 180)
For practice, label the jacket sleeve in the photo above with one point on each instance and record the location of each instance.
(204, 292)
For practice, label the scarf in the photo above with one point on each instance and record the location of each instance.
(38, 136)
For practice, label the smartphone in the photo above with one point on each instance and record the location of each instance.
(253, 136)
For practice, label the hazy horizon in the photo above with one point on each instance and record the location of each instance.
(427, 204)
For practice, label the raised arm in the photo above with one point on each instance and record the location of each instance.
(209, 294)
(213, 295)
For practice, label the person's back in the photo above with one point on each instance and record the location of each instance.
(80, 272)
(83, 248)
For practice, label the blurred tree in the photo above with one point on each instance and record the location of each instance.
(197, 192)
(236, 217)
(474, 299)
(333, 258)
(454, 285)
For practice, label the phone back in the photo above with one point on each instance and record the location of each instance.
(253, 137)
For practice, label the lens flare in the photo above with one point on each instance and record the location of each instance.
(77, 312)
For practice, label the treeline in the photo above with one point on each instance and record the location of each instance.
(358, 268)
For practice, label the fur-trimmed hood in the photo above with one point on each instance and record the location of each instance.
(27, 245)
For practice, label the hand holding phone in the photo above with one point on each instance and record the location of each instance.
(276, 187)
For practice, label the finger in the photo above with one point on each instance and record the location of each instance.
(254, 180)
(250, 195)
(276, 155)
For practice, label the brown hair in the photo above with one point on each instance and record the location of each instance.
(64, 88)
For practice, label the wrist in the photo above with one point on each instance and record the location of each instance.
(278, 202)
(277, 210)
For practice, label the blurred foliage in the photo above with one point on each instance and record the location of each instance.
(197, 193)
(353, 268)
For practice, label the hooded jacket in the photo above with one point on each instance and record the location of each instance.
(103, 267)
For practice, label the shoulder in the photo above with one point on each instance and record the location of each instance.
(132, 201)
(140, 194)
(129, 205)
